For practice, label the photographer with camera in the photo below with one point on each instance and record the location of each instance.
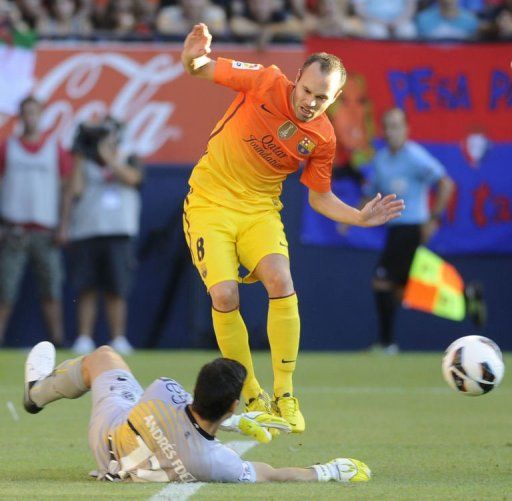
(102, 228)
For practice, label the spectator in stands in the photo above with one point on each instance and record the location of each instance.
(330, 18)
(504, 20)
(33, 12)
(104, 223)
(11, 22)
(33, 170)
(387, 19)
(448, 20)
(179, 19)
(64, 20)
(264, 21)
(484, 9)
(125, 17)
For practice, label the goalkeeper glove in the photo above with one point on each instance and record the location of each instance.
(256, 425)
(343, 470)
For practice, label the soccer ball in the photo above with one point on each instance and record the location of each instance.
(473, 365)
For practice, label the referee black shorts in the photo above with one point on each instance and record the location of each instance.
(396, 258)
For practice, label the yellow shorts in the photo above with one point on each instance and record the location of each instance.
(221, 239)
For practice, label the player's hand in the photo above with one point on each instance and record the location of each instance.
(381, 210)
(197, 43)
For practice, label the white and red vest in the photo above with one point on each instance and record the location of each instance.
(31, 184)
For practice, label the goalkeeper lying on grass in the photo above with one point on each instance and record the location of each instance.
(161, 434)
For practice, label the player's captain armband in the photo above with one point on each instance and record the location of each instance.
(238, 65)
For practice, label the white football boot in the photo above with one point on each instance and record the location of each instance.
(39, 364)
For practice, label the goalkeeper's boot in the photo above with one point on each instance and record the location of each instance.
(343, 470)
(261, 403)
(287, 407)
(39, 364)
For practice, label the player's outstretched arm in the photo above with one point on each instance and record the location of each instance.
(377, 211)
(338, 470)
(266, 473)
(194, 55)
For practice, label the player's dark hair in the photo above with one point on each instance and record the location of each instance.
(329, 63)
(27, 100)
(218, 385)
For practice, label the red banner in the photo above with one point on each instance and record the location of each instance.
(169, 114)
(448, 90)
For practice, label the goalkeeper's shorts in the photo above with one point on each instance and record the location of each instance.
(114, 394)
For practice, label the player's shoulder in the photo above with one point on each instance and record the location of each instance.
(168, 390)
(272, 76)
(416, 150)
(324, 130)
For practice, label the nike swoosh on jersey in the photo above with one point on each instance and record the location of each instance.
(283, 361)
(264, 108)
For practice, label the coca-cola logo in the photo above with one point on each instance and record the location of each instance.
(73, 89)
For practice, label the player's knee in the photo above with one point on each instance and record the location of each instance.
(100, 353)
(279, 284)
(104, 350)
(104, 354)
(101, 360)
(225, 297)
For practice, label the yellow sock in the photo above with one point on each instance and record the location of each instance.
(233, 341)
(283, 327)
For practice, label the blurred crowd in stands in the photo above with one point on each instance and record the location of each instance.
(259, 21)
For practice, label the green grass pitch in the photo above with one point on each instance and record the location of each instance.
(421, 440)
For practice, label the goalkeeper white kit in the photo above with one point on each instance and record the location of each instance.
(152, 436)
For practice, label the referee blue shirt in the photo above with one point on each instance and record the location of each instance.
(410, 172)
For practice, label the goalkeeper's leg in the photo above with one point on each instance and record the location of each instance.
(70, 379)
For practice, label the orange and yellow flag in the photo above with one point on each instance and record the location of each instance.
(434, 286)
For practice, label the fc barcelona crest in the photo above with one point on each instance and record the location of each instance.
(306, 146)
(287, 130)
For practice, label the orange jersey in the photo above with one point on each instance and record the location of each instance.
(259, 141)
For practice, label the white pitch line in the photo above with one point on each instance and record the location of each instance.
(182, 492)
(12, 410)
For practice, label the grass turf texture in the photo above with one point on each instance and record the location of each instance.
(421, 440)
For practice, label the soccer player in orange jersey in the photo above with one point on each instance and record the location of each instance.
(231, 214)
